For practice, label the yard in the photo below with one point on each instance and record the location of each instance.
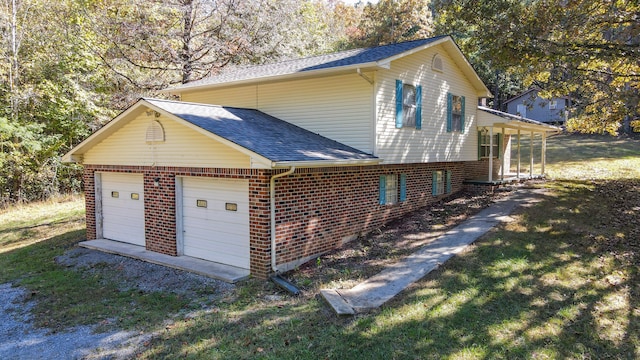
(561, 281)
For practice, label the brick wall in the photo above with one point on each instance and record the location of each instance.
(316, 209)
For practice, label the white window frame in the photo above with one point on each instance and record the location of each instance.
(485, 145)
(440, 182)
(409, 105)
(456, 113)
(521, 110)
(391, 189)
(553, 104)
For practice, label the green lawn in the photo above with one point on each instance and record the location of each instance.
(560, 281)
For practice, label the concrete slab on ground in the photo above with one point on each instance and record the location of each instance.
(230, 274)
(380, 288)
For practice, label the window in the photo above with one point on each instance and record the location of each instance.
(436, 63)
(441, 182)
(484, 144)
(389, 189)
(455, 113)
(408, 105)
(553, 104)
(521, 110)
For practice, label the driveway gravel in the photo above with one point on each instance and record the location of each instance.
(19, 339)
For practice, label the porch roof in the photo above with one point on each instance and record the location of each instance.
(511, 123)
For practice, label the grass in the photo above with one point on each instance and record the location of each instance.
(560, 281)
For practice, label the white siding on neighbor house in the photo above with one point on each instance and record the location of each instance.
(182, 147)
(339, 107)
(432, 143)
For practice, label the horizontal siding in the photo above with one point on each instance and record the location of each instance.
(432, 143)
(338, 107)
(182, 147)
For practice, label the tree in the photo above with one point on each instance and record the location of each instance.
(583, 48)
(391, 21)
(156, 43)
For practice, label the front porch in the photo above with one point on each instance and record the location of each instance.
(511, 148)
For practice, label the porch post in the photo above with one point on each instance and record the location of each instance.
(491, 154)
(544, 150)
(531, 155)
(503, 156)
(519, 169)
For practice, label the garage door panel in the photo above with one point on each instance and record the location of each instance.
(213, 232)
(123, 216)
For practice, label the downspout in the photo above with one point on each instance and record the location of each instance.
(272, 200)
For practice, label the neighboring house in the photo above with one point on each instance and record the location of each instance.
(530, 105)
(304, 156)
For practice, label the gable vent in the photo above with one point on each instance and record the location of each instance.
(155, 132)
(436, 64)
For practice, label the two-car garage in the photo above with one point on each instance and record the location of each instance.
(212, 215)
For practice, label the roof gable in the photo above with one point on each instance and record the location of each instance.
(250, 131)
(350, 60)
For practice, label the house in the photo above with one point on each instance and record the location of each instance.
(266, 167)
(530, 105)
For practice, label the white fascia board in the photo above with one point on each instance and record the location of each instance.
(277, 78)
(100, 134)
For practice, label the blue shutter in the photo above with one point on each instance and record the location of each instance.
(383, 189)
(398, 104)
(447, 177)
(449, 110)
(462, 119)
(434, 183)
(403, 187)
(419, 107)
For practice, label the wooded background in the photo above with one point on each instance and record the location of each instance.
(69, 66)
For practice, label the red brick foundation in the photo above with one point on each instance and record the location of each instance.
(316, 209)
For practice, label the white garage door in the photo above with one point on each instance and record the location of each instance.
(123, 207)
(216, 220)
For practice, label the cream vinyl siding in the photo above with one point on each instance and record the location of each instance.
(432, 143)
(338, 107)
(182, 147)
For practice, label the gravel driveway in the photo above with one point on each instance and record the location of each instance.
(20, 340)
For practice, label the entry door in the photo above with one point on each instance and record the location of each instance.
(216, 220)
(123, 207)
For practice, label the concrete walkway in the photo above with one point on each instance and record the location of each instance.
(230, 274)
(380, 288)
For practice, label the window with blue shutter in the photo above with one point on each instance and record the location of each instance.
(408, 105)
(403, 187)
(419, 107)
(399, 99)
(455, 113)
(438, 182)
(449, 107)
(383, 190)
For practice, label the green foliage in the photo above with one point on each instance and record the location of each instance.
(585, 49)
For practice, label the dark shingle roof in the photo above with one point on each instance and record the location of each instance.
(263, 134)
(334, 60)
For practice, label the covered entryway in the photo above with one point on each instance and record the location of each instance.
(122, 200)
(494, 127)
(215, 220)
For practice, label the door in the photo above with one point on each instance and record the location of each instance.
(216, 220)
(123, 207)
